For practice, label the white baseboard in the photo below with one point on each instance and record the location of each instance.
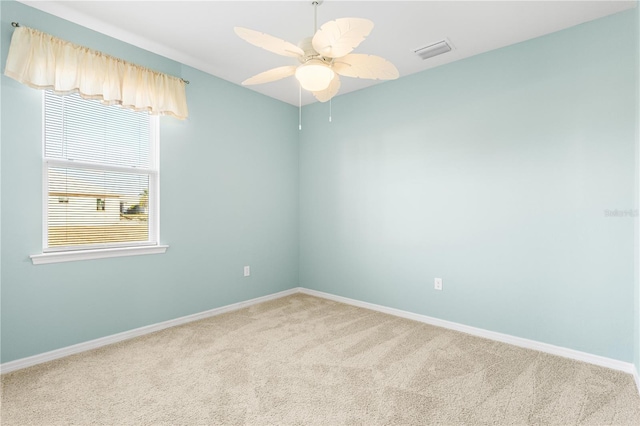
(125, 335)
(492, 335)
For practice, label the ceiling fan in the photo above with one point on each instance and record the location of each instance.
(322, 57)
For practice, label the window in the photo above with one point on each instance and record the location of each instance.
(100, 176)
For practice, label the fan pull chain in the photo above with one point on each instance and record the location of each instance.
(329, 110)
(299, 107)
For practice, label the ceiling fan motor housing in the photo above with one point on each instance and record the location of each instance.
(309, 52)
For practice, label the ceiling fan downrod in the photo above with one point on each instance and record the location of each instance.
(315, 5)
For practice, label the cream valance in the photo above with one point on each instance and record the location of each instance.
(43, 61)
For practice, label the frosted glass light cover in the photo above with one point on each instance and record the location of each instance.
(314, 76)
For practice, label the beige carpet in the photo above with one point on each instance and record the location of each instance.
(302, 360)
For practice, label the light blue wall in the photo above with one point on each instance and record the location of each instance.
(637, 194)
(493, 173)
(229, 197)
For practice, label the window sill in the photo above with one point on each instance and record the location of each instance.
(71, 256)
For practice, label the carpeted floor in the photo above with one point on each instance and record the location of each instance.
(301, 360)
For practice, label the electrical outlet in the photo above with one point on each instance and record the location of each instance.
(437, 283)
(247, 271)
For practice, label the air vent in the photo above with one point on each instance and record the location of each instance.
(433, 49)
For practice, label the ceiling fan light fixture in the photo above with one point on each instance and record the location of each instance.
(325, 56)
(314, 75)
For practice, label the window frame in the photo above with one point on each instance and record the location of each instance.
(97, 251)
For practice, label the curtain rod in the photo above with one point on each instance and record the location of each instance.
(16, 25)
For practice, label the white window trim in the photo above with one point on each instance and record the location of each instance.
(70, 256)
(53, 255)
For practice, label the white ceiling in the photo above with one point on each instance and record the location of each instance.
(200, 33)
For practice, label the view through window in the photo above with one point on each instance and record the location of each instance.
(101, 174)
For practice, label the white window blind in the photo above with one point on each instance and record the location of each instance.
(101, 175)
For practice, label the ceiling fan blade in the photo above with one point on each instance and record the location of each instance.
(268, 42)
(365, 66)
(271, 75)
(337, 38)
(329, 92)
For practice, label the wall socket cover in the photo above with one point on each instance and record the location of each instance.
(437, 283)
(247, 271)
